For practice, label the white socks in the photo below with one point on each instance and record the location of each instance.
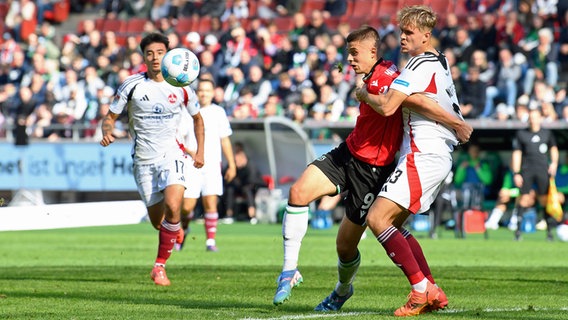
(294, 228)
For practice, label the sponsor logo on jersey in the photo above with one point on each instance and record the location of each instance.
(172, 98)
(158, 108)
(391, 70)
(384, 89)
(321, 158)
(401, 82)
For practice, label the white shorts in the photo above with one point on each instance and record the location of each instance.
(152, 179)
(206, 181)
(416, 181)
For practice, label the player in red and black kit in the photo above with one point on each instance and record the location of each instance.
(360, 166)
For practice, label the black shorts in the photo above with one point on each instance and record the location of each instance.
(535, 178)
(361, 181)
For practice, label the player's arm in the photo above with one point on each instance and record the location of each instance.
(431, 109)
(554, 156)
(384, 104)
(516, 158)
(227, 149)
(107, 128)
(199, 129)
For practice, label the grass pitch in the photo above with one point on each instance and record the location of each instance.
(104, 273)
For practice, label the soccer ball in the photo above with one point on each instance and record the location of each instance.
(562, 232)
(180, 67)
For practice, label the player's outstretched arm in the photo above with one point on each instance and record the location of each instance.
(431, 109)
(199, 129)
(107, 128)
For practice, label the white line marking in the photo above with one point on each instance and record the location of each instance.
(351, 314)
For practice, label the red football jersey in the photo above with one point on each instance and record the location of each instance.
(375, 139)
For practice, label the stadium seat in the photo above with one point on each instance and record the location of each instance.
(283, 24)
(311, 5)
(59, 13)
(403, 3)
(3, 10)
(116, 25)
(364, 8)
(202, 25)
(135, 25)
(388, 7)
(184, 25)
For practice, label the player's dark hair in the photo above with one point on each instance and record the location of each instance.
(154, 38)
(205, 80)
(364, 33)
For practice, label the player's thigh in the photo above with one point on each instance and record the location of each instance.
(312, 185)
(146, 178)
(212, 181)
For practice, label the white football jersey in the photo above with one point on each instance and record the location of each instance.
(217, 126)
(154, 110)
(430, 75)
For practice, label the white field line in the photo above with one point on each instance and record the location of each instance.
(354, 314)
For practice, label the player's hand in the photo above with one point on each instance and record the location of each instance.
(107, 139)
(198, 160)
(361, 93)
(518, 179)
(463, 132)
(230, 174)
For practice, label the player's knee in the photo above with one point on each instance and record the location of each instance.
(298, 195)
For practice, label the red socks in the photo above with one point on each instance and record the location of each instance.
(399, 251)
(167, 238)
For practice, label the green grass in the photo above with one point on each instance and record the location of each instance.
(103, 273)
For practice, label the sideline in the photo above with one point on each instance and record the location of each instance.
(72, 215)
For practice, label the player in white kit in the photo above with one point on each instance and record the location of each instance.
(425, 156)
(207, 181)
(154, 111)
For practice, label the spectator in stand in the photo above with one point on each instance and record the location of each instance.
(18, 68)
(213, 8)
(299, 27)
(334, 8)
(272, 107)
(447, 35)
(175, 41)
(233, 88)
(386, 26)
(505, 86)
(39, 120)
(339, 85)
(330, 104)
(391, 47)
(511, 33)
(112, 49)
(62, 122)
(473, 177)
(209, 65)
(332, 59)
(160, 9)
(563, 43)
(166, 27)
(473, 94)
(136, 63)
(530, 41)
(316, 25)
(93, 49)
(265, 10)
(138, 8)
(286, 90)
(193, 42)
(472, 26)
(486, 67)
(259, 86)
(463, 47)
(543, 61)
(239, 42)
(114, 8)
(486, 39)
(284, 58)
(288, 7)
(239, 9)
(246, 108)
(21, 19)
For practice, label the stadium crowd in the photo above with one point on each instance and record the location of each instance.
(271, 58)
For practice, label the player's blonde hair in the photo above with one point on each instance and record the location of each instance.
(420, 17)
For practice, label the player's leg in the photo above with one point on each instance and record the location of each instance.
(211, 217)
(311, 185)
(349, 259)
(187, 207)
(499, 209)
